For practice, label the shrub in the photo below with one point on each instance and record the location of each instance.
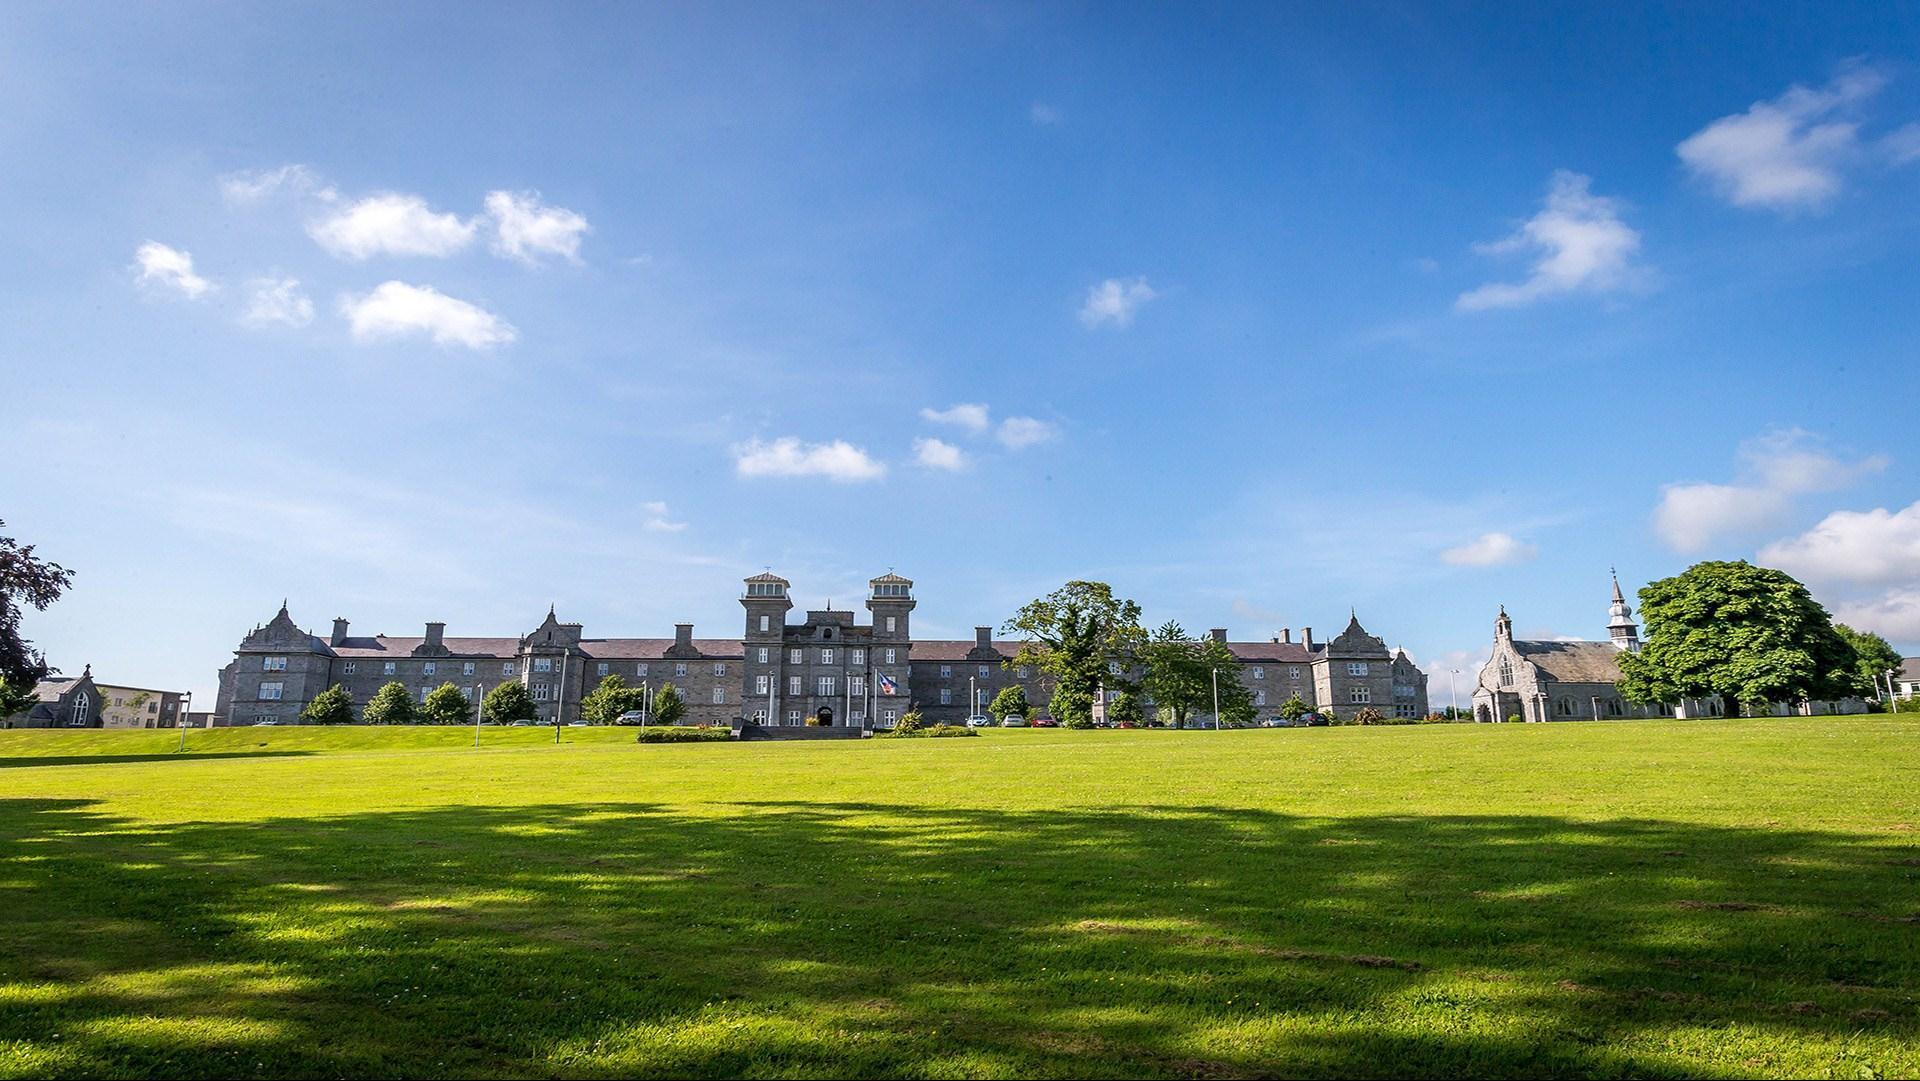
(908, 723)
(703, 733)
(1513, 718)
(917, 732)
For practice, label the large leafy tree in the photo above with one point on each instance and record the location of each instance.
(668, 706)
(446, 704)
(24, 580)
(1176, 677)
(1752, 635)
(507, 703)
(1073, 634)
(1011, 702)
(1125, 709)
(1873, 658)
(331, 706)
(605, 703)
(391, 704)
(1294, 708)
(14, 699)
(1236, 701)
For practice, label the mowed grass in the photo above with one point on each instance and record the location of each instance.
(1727, 899)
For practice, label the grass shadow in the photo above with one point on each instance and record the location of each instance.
(18, 762)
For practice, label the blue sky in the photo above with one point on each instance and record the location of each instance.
(1258, 313)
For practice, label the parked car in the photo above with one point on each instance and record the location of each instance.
(521, 724)
(1043, 722)
(265, 724)
(1316, 720)
(632, 716)
(576, 724)
(1013, 720)
(978, 721)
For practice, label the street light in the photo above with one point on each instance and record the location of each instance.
(478, 712)
(1453, 691)
(1217, 726)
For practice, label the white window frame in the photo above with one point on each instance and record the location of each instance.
(793, 686)
(760, 684)
(1259, 672)
(946, 696)
(602, 669)
(720, 668)
(542, 665)
(859, 657)
(429, 668)
(796, 656)
(346, 669)
(826, 654)
(764, 624)
(388, 668)
(506, 668)
(680, 669)
(269, 692)
(466, 669)
(946, 671)
(824, 687)
(762, 658)
(719, 696)
(1360, 695)
(889, 656)
(891, 624)
(273, 664)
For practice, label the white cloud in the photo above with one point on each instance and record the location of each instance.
(969, 415)
(392, 224)
(526, 229)
(256, 185)
(1490, 550)
(789, 457)
(1044, 115)
(169, 270)
(938, 454)
(1579, 242)
(1777, 467)
(1787, 153)
(1902, 145)
(1895, 615)
(1875, 547)
(1018, 432)
(396, 309)
(658, 520)
(277, 300)
(1115, 301)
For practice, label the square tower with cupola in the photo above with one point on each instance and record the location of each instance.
(890, 599)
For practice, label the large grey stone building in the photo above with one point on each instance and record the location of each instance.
(830, 667)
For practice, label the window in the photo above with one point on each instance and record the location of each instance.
(793, 684)
(826, 655)
(387, 668)
(506, 668)
(827, 633)
(764, 624)
(1403, 690)
(891, 715)
(273, 664)
(429, 668)
(680, 668)
(640, 669)
(347, 669)
(1259, 698)
(719, 696)
(1360, 694)
(467, 693)
(890, 589)
(760, 684)
(1021, 672)
(1293, 671)
(1259, 672)
(891, 624)
(1506, 674)
(466, 669)
(1356, 668)
(946, 671)
(1113, 668)
(424, 692)
(889, 656)
(795, 656)
(946, 697)
(759, 716)
(858, 657)
(269, 692)
(857, 685)
(763, 589)
(793, 716)
(762, 655)
(542, 692)
(543, 664)
(720, 669)
(824, 687)
(601, 669)
(983, 672)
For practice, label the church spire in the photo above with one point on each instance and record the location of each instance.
(1621, 629)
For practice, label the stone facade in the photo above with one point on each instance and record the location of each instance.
(61, 703)
(139, 707)
(830, 667)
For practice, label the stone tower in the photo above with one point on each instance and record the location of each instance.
(1621, 628)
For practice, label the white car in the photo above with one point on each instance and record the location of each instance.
(977, 721)
(1013, 720)
(632, 716)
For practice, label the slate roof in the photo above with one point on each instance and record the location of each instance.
(1266, 652)
(926, 649)
(50, 690)
(1272, 652)
(1910, 668)
(604, 649)
(1573, 662)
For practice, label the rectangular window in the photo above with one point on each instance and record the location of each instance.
(467, 693)
(719, 696)
(466, 669)
(824, 687)
(889, 656)
(762, 657)
(946, 697)
(890, 624)
(424, 692)
(601, 669)
(542, 692)
(795, 656)
(759, 716)
(983, 672)
(270, 692)
(543, 664)
(764, 624)
(387, 668)
(826, 655)
(1356, 668)
(347, 669)
(1022, 672)
(1360, 694)
(857, 685)
(273, 664)
(719, 669)
(506, 668)
(1293, 671)
(680, 668)
(892, 715)
(946, 671)
(640, 669)
(859, 657)
(1259, 698)
(793, 684)
(793, 716)
(429, 668)
(1259, 672)
(759, 684)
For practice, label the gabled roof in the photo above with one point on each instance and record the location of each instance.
(1271, 652)
(957, 649)
(50, 690)
(1573, 662)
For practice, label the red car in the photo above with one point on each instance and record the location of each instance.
(1043, 722)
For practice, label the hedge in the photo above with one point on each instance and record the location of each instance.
(668, 733)
(936, 732)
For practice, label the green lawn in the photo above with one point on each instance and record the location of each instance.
(1729, 898)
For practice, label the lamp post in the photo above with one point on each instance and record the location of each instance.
(180, 721)
(1217, 726)
(1453, 691)
(973, 698)
(479, 714)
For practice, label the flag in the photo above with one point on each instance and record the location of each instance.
(887, 685)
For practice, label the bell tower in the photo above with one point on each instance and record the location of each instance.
(1621, 628)
(767, 603)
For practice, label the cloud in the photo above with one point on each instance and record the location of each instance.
(396, 309)
(1776, 468)
(1044, 115)
(658, 520)
(1115, 301)
(1490, 550)
(1895, 615)
(277, 300)
(1018, 432)
(1579, 242)
(969, 415)
(256, 185)
(788, 457)
(1787, 153)
(526, 229)
(938, 454)
(169, 270)
(1902, 145)
(392, 224)
(1875, 547)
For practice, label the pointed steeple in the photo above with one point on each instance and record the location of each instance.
(1503, 626)
(1621, 629)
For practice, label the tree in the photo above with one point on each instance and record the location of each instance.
(1010, 702)
(1294, 708)
(1125, 709)
(1073, 634)
(446, 705)
(507, 703)
(25, 580)
(1751, 635)
(609, 700)
(668, 706)
(1176, 677)
(1236, 701)
(15, 699)
(1873, 659)
(908, 722)
(391, 704)
(331, 706)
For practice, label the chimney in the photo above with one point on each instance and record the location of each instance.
(1306, 638)
(683, 635)
(1218, 634)
(983, 638)
(436, 632)
(1286, 635)
(339, 632)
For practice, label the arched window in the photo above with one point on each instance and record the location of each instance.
(1613, 707)
(1506, 674)
(82, 709)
